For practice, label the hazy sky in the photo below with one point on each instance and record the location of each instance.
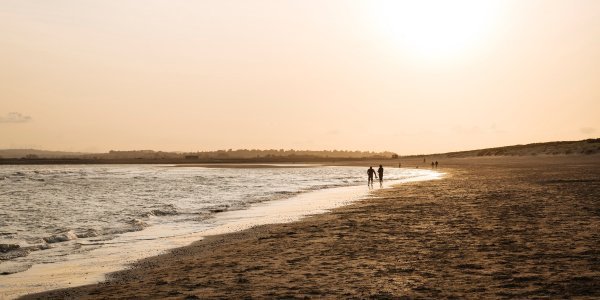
(410, 77)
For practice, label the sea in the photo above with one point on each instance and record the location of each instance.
(65, 225)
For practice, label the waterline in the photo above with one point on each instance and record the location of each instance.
(92, 266)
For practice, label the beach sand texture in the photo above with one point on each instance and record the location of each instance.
(491, 228)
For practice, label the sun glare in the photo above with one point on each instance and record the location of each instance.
(435, 29)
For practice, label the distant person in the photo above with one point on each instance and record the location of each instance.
(432, 165)
(380, 172)
(436, 164)
(423, 160)
(399, 165)
(370, 173)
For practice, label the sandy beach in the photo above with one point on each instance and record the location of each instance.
(523, 227)
(222, 149)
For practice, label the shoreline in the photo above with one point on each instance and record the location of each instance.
(120, 253)
(490, 229)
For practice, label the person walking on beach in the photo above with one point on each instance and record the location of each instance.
(432, 165)
(380, 172)
(436, 163)
(370, 173)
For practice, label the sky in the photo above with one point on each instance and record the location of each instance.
(411, 77)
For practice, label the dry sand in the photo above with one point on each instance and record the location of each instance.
(492, 228)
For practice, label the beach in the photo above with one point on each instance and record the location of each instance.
(500, 227)
(299, 149)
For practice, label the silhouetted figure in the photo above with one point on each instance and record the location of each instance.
(399, 165)
(380, 172)
(436, 163)
(423, 160)
(432, 165)
(370, 173)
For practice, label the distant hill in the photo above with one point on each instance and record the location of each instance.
(584, 147)
(32, 153)
(275, 154)
(150, 156)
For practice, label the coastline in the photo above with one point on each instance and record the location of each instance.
(132, 246)
(491, 228)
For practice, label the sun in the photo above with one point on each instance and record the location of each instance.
(435, 29)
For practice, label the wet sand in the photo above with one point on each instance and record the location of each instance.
(492, 228)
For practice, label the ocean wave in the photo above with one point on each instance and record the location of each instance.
(134, 225)
(13, 254)
(8, 247)
(218, 208)
(138, 223)
(12, 251)
(61, 237)
(88, 233)
(286, 193)
(52, 241)
(37, 247)
(160, 212)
